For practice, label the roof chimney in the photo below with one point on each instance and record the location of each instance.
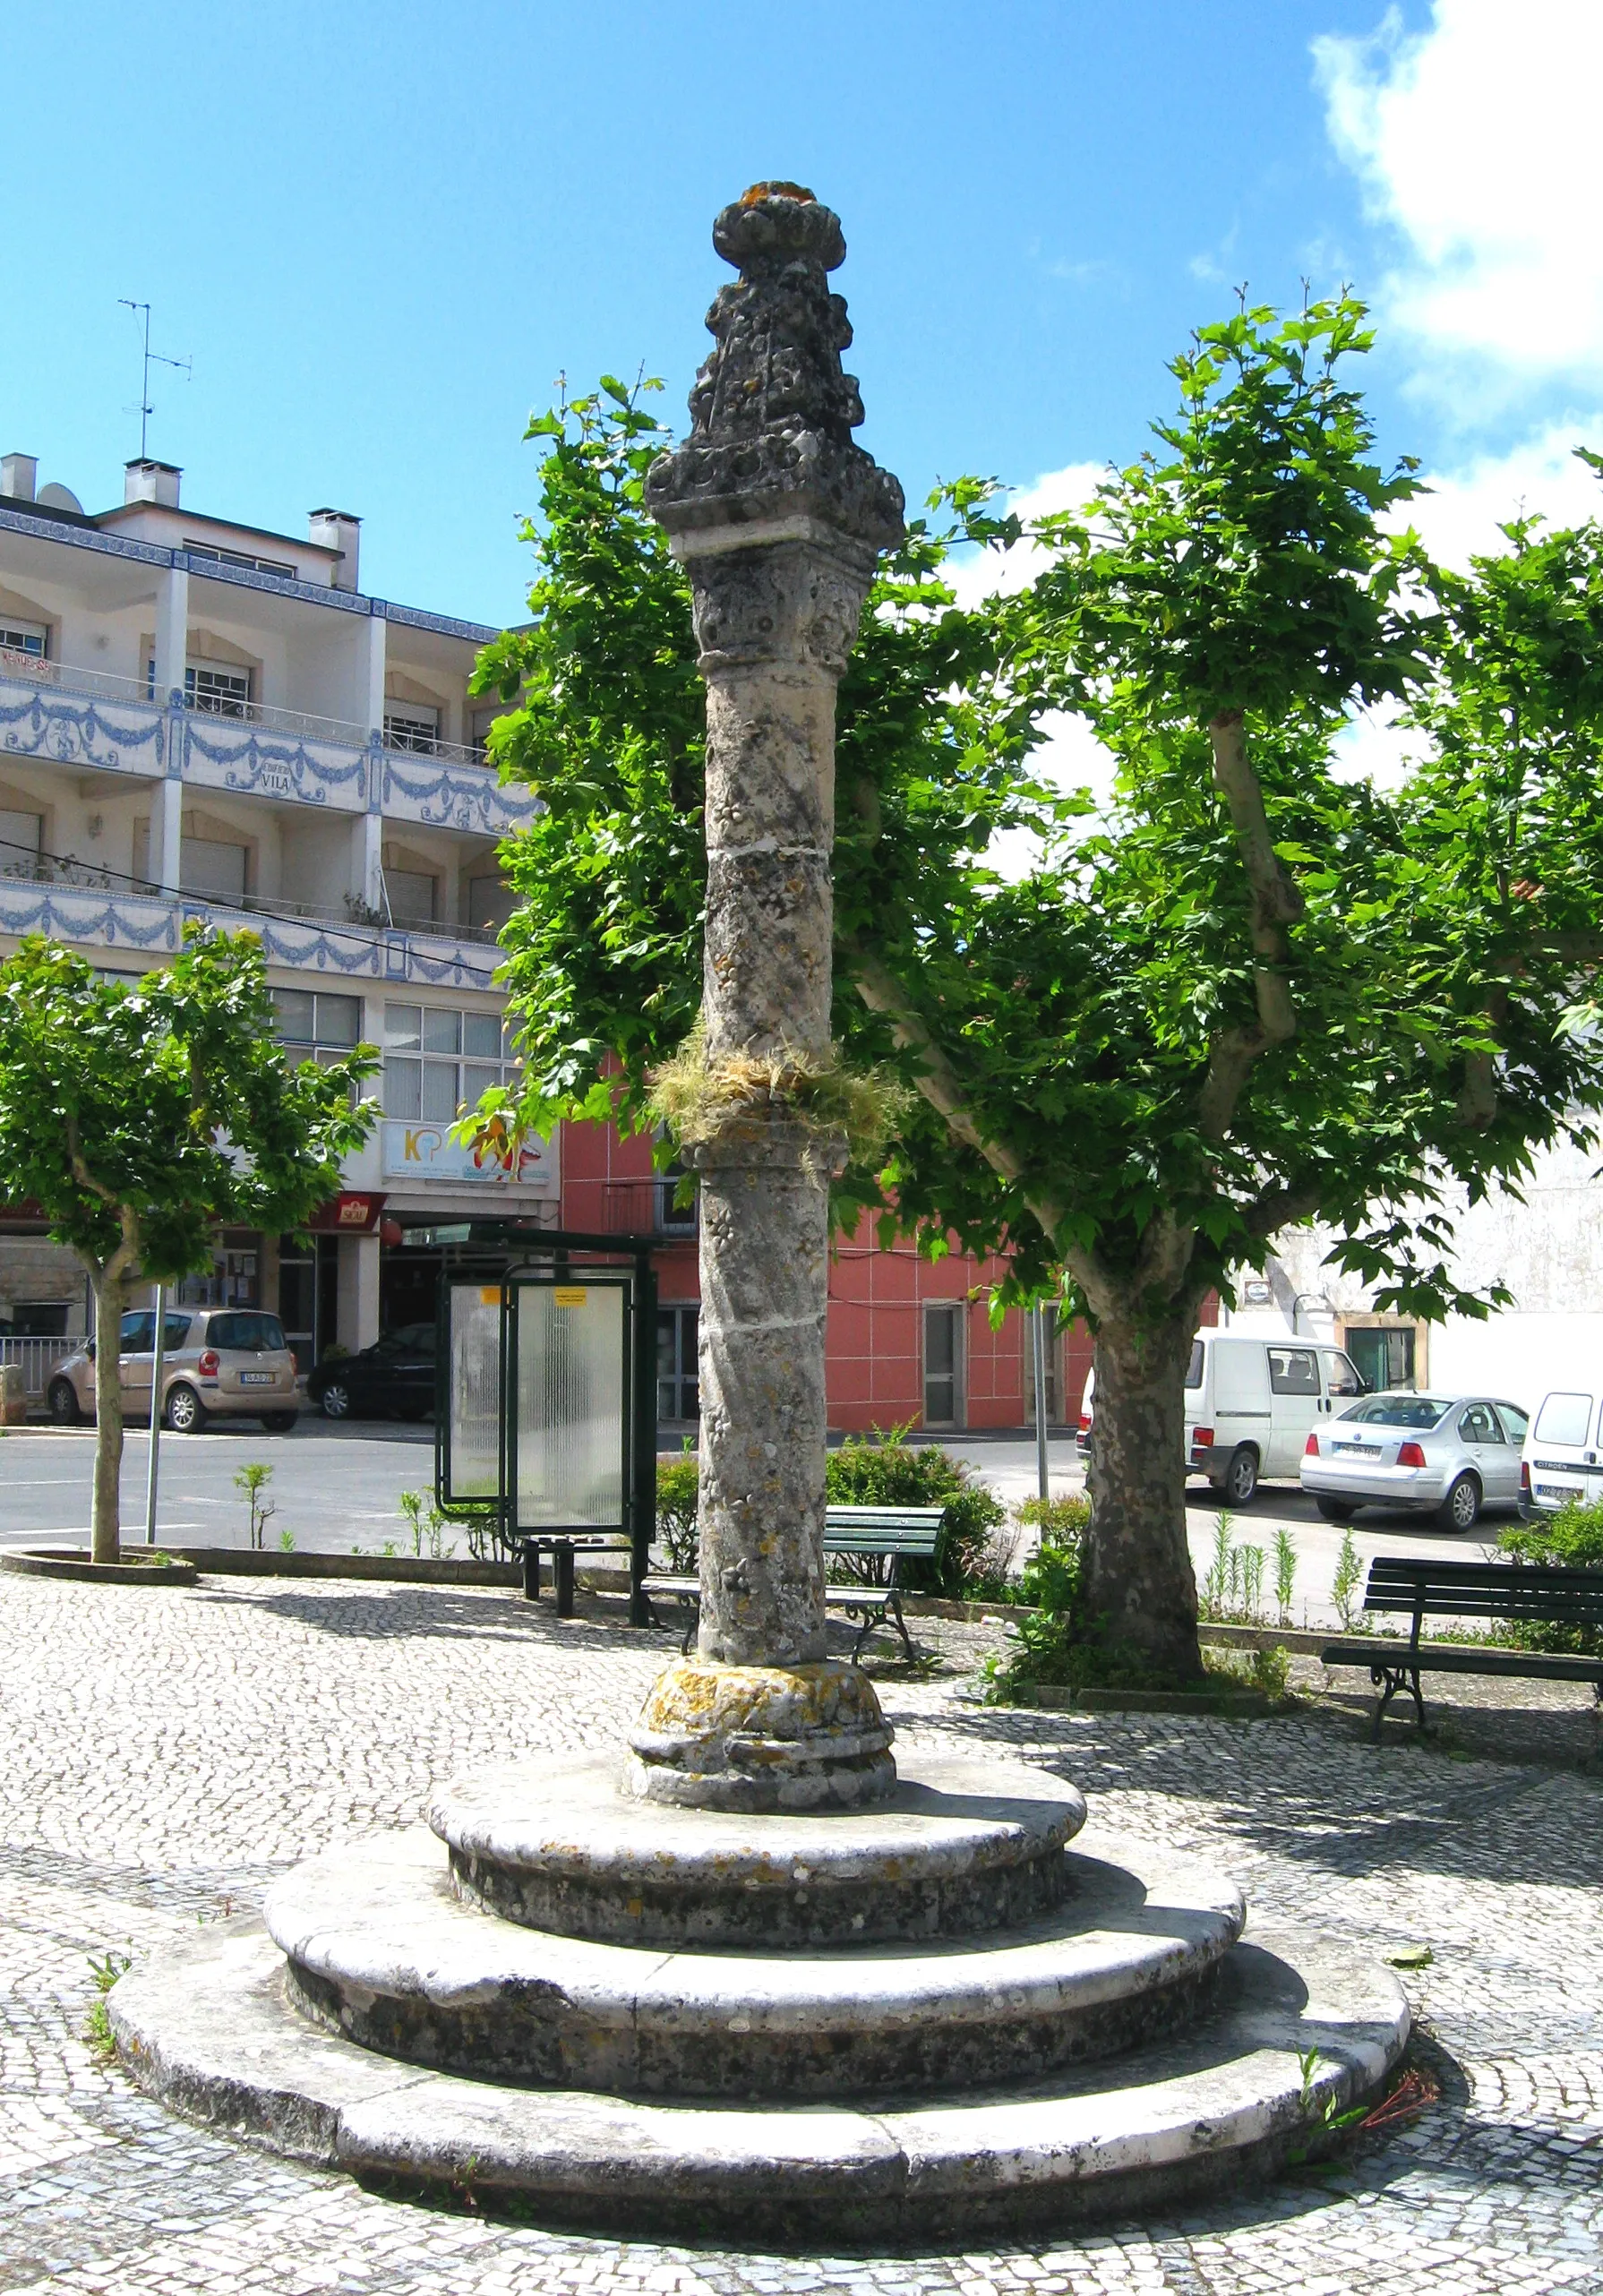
(18, 475)
(338, 530)
(151, 482)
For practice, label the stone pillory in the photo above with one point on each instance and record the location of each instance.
(778, 517)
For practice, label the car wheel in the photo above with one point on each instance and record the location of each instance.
(1460, 1511)
(1336, 1510)
(62, 1399)
(185, 1414)
(280, 1422)
(336, 1401)
(1241, 1476)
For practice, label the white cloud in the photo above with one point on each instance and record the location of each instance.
(1466, 506)
(991, 573)
(1478, 141)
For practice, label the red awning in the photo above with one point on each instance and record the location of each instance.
(354, 1213)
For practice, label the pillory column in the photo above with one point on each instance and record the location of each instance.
(778, 518)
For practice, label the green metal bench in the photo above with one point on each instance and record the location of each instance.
(1530, 1595)
(877, 1539)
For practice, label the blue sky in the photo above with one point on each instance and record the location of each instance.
(381, 231)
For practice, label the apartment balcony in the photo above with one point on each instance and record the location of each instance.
(94, 909)
(91, 720)
(646, 1207)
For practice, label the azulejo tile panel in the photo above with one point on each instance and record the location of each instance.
(114, 737)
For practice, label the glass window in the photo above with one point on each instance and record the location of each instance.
(442, 1030)
(139, 1331)
(410, 725)
(440, 1095)
(1293, 1371)
(174, 1330)
(248, 1334)
(297, 1015)
(225, 693)
(403, 1027)
(23, 638)
(481, 1036)
(678, 1394)
(338, 1019)
(943, 1391)
(1340, 1376)
(1194, 1369)
(1514, 1420)
(477, 1081)
(403, 1088)
(1564, 1418)
(1384, 1354)
(1398, 1411)
(1479, 1425)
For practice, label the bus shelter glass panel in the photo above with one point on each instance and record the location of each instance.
(473, 1454)
(570, 1344)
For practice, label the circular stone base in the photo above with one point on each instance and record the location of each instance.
(135, 1570)
(1305, 2029)
(958, 1848)
(382, 1952)
(716, 1736)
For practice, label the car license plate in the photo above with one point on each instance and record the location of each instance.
(1560, 1491)
(1356, 1450)
(258, 1379)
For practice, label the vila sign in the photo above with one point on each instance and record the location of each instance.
(426, 1152)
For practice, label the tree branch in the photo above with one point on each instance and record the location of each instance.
(1280, 1207)
(937, 1082)
(1276, 903)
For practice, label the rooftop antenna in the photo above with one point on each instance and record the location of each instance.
(156, 358)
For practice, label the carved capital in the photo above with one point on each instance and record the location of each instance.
(772, 412)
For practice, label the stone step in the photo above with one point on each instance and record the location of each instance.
(958, 1847)
(381, 1947)
(1305, 2029)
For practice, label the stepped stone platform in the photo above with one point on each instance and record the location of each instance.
(697, 2071)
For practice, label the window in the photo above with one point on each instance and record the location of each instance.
(22, 837)
(213, 867)
(943, 1366)
(1384, 1354)
(413, 896)
(490, 902)
(40, 1319)
(1293, 1371)
(678, 1391)
(1399, 1411)
(1479, 1424)
(317, 1024)
(1194, 1369)
(138, 1335)
(239, 558)
(409, 725)
(673, 1218)
(1514, 1421)
(437, 1058)
(252, 1334)
(29, 638)
(1340, 1376)
(210, 686)
(1563, 1418)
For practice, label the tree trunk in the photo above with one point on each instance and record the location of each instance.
(111, 1292)
(1140, 1589)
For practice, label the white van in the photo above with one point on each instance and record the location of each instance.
(1562, 1458)
(1251, 1403)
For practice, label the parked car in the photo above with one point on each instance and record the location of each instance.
(1443, 1455)
(1563, 1460)
(216, 1363)
(393, 1379)
(1250, 1402)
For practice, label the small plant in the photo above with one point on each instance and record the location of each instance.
(1216, 1585)
(1285, 1575)
(287, 1542)
(253, 1480)
(389, 1550)
(1344, 1586)
(427, 1525)
(678, 1492)
(97, 2024)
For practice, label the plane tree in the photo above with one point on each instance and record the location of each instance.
(140, 1116)
(1255, 989)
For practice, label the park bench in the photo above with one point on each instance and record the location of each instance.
(877, 1537)
(1529, 1594)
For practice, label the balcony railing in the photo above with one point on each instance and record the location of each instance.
(646, 1208)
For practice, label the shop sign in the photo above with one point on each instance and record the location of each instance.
(426, 1152)
(354, 1213)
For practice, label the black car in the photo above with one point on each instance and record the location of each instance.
(393, 1379)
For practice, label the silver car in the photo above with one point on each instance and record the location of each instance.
(1441, 1455)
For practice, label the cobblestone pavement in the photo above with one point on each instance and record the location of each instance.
(166, 1751)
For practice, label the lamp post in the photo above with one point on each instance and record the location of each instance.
(778, 518)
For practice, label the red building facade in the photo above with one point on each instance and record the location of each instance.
(909, 1340)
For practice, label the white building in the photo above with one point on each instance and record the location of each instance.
(197, 719)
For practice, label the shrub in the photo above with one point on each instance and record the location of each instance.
(678, 1487)
(1570, 1540)
(882, 1471)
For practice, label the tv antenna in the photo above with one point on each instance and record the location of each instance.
(152, 358)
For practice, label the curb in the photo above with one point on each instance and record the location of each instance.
(73, 1562)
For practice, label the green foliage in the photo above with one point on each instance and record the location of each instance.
(158, 1109)
(97, 2024)
(1570, 1540)
(426, 1524)
(1267, 1670)
(1233, 1587)
(253, 1480)
(1347, 1581)
(881, 1470)
(1285, 1575)
(678, 1487)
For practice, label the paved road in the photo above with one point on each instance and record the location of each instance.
(336, 1488)
(169, 1750)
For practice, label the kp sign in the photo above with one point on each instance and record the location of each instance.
(426, 1152)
